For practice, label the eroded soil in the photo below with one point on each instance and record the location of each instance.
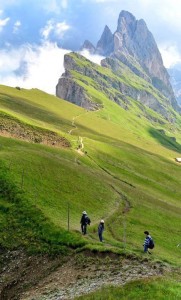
(64, 277)
(15, 129)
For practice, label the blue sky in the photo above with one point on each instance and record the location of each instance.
(35, 34)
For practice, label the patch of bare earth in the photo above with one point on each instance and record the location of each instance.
(14, 129)
(64, 277)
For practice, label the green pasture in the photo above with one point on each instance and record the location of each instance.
(127, 175)
(157, 288)
(102, 183)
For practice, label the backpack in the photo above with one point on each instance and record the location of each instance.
(87, 220)
(151, 244)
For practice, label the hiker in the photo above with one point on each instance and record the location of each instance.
(148, 243)
(100, 230)
(85, 220)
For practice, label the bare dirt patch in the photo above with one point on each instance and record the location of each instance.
(35, 277)
(10, 127)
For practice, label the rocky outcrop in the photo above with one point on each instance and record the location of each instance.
(88, 46)
(106, 43)
(134, 45)
(69, 90)
(133, 38)
(118, 85)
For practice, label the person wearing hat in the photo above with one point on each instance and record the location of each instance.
(84, 221)
(100, 230)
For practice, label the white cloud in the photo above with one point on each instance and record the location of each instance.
(95, 58)
(3, 22)
(64, 3)
(53, 6)
(60, 28)
(16, 27)
(44, 66)
(165, 10)
(54, 29)
(170, 55)
(169, 11)
(45, 32)
(50, 6)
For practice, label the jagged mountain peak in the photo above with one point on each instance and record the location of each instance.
(126, 21)
(107, 30)
(89, 46)
(105, 44)
(134, 45)
(126, 14)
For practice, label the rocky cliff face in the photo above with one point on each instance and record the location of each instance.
(134, 45)
(113, 80)
(133, 38)
(69, 89)
(105, 45)
(133, 69)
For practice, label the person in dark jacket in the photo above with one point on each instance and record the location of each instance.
(148, 240)
(100, 230)
(84, 221)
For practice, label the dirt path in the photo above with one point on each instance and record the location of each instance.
(73, 124)
(81, 146)
(80, 140)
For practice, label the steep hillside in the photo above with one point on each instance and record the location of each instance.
(58, 159)
(89, 85)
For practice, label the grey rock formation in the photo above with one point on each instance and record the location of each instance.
(68, 88)
(133, 38)
(105, 45)
(134, 45)
(144, 96)
(88, 46)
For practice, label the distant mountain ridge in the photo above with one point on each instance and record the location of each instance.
(175, 78)
(131, 51)
(134, 45)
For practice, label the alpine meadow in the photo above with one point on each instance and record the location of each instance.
(107, 143)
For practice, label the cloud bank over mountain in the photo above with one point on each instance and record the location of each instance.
(32, 66)
(36, 32)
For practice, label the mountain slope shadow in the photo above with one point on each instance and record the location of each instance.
(164, 140)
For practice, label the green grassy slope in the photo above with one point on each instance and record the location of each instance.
(146, 289)
(128, 175)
